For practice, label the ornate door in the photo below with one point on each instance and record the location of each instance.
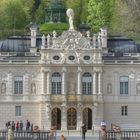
(87, 118)
(56, 118)
(71, 119)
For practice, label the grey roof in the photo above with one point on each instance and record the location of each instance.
(21, 44)
(17, 44)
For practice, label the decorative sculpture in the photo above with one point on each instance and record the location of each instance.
(43, 40)
(70, 14)
(3, 88)
(33, 88)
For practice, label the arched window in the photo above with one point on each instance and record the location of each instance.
(86, 83)
(124, 84)
(56, 83)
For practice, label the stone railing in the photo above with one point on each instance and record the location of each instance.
(27, 135)
(123, 135)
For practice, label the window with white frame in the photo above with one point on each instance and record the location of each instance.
(124, 80)
(18, 84)
(17, 110)
(86, 83)
(124, 110)
(56, 83)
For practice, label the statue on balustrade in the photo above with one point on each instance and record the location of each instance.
(70, 14)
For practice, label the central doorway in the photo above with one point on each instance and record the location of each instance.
(71, 119)
(56, 118)
(87, 118)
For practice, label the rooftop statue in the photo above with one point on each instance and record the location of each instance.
(70, 14)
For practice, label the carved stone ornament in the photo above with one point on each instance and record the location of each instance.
(71, 40)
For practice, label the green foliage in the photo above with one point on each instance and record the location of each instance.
(14, 14)
(100, 12)
(49, 27)
(40, 13)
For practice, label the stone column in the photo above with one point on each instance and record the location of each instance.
(63, 116)
(48, 81)
(79, 80)
(94, 90)
(63, 80)
(79, 116)
(100, 82)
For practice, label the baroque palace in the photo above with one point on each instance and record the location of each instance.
(68, 80)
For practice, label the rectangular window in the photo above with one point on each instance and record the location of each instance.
(56, 87)
(124, 85)
(17, 110)
(124, 110)
(18, 85)
(86, 87)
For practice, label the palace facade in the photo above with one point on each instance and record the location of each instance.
(68, 80)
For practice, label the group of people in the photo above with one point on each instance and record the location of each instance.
(19, 126)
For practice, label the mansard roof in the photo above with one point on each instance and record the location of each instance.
(69, 40)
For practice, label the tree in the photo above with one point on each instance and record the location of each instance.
(14, 15)
(40, 12)
(100, 12)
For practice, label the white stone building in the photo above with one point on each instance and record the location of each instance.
(68, 80)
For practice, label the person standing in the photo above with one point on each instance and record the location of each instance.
(84, 130)
(27, 125)
(102, 131)
(51, 133)
(17, 126)
(21, 125)
(13, 125)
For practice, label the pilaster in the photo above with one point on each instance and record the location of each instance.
(79, 81)
(10, 84)
(63, 80)
(48, 81)
(64, 117)
(94, 90)
(26, 84)
(79, 115)
(47, 117)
